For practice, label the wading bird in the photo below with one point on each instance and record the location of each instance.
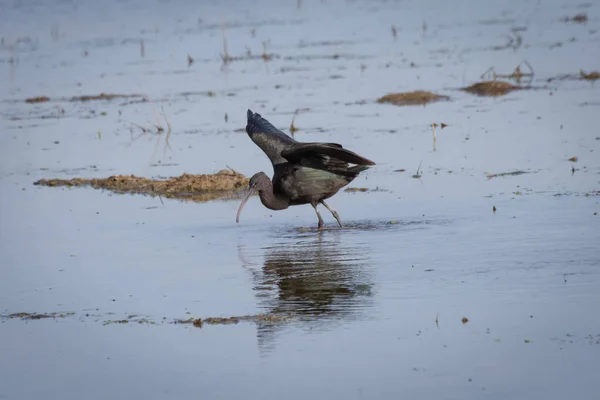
(303, 173)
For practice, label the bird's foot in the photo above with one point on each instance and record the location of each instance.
(337, 218)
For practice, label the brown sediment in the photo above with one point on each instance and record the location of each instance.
(104, 96)
(116, 321)
(418, 97)
(586, 194)
(592, 76)
(39, 99)
(578, 19)
(356, 189)
(362, 190)
(513, 173)
(491, 88)
(187, 187)
(35, 316)
(199, 322)
(226, 58)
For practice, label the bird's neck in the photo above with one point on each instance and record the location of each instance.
(272, 201)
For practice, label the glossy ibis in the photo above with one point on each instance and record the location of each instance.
(303, 173)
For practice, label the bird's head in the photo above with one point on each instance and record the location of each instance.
(257, 179)
(256, 184)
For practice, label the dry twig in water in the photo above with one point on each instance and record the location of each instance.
(516, 74)
(293, 128)
(418, 175)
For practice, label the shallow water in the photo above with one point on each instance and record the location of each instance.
(425, 293)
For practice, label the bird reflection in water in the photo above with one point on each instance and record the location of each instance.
(314, 277)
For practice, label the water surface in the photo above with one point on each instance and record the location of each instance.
(426, 292)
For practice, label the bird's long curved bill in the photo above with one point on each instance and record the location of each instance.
(249, 193)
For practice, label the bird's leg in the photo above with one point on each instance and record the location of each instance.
(334, 213)
(318, 215)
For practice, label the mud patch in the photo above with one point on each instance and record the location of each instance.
(415, 98)
(134, 318)
(585, 194)
(512, 173)
(199, 322)
(362, 190)
(356, 189)
(105, 96)
(490, 88)
(39, 99)
(129, 319)
(35, 316)
(592, 76)
(577, 19)
(85, 98)
(186, 187)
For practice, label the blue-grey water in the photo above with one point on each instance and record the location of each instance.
(427, 293)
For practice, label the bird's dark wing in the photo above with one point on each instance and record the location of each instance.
(271, 140)
(328, 156)
(280, 148)
(257, 124)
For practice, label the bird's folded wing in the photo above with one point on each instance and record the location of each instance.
(297, 152)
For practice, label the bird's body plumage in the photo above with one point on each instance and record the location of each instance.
(303, 173)
(305, 185)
